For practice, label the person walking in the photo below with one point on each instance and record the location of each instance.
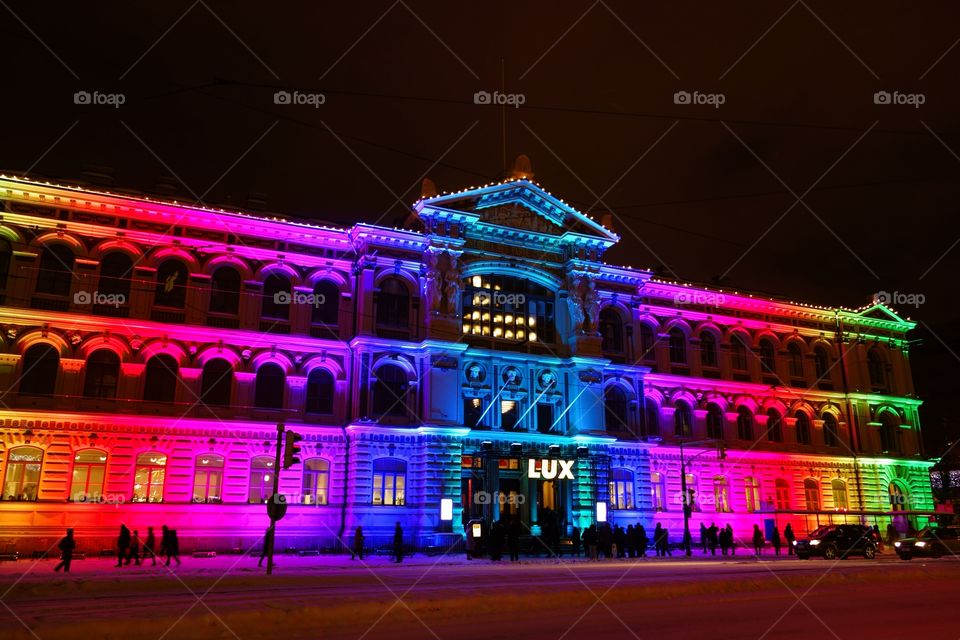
(357, 543)
(629, 541)
(712, 538)
(757, 540)
(590, 541)
(169, 545)
(704, 538)
(642, 541)
(398, 543)
(790, 537)
(123, 544)
(775, 541)
(658, 540)
(66, 546)
(619, 542)
(666, 543)
(149, 547)
(731, 541)
(892, 534)
(575, 539)
(134, 553)
(267, 543)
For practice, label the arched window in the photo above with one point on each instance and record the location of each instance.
(821, 362)
(160, 381)
(320, 392)
(774, 426)
(811, 494)
(393, 304)
(692, 498)
(678, 346)
(89, 471)
(890, 432)
(389, 482)
(261, 479)
(682, 419)
(621, 489)
(316, 481)
(715, 420)
(276, 297)
(38, 374)
(149, 476)
(898, 495)
(783, 495)
(658, 490)
(326, 303)
(839, 489)
(208, 479)
(877, 368)
(768, 357)
(389, 392)
(6, 253)
(744, 424)
(611, 330)
(102, 374)
(116, 271)
(616, 408)
(271, 381)
(648, 343)
(21, 479)
(751, 488)
(216, 383)
(651, 416)
(738, 352)
(795, 360)
(708, 350)
(56, 270)
(171, 289)
(225, 291)
(721, 494)
(831, 431)
(803, 427)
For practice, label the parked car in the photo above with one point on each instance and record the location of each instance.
(837, 541)
(931, 542)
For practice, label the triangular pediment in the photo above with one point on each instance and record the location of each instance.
(880, 311)
(520, 205)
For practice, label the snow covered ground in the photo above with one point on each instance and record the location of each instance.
(450, 597)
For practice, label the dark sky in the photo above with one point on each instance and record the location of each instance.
(696, 191)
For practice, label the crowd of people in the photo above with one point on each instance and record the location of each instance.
(131, 548)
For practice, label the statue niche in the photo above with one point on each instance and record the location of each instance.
(443, 283)
(583, 303)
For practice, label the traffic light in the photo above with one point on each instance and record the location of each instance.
(291, 449)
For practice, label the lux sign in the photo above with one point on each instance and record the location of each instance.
(548, 469)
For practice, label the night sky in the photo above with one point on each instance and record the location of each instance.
(698, 192)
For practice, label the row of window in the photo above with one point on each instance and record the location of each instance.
(622, 491)
(21, 479)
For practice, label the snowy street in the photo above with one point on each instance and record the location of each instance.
(446, 597)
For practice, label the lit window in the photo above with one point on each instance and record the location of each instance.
(316, 481)
(752, 493)
(839, 489)
(811, 493)
(261, 479)
(389, 482)
(721, 494)
(621, 489)
(148, 477)
(659, 490)
(208, 479)
(508, 309)
(89, 471)
(21, 480)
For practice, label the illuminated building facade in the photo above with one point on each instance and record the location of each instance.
(486, 356)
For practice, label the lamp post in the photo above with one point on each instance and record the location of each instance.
(687, 501)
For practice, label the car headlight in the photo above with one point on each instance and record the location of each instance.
(919, 543)
(814, 543)
(896, 544)
(794, 543)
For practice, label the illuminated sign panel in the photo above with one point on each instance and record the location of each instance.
(550, 469)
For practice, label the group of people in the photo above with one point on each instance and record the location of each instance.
(130, 547)
(605, 541)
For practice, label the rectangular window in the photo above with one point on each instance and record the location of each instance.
(472, 412)
(509, 414)
(544, 417)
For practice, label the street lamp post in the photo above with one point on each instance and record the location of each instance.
(687, 500)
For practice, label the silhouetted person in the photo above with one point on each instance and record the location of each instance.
(712, 532)
(790, 537)
(620, 541)
(629, 542)
(357, 544)
(775, 540)
(66, 546)
(398, 543)
(658, 540)
(757, 540)
(642, 541)
(703, 538)
(513, 539)
(123, 544)
(590, 541)
(134, 553)
(267, 543)
(575, 539)
(169, 545)
(150, 546)
(731, 540)
(892, 534)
